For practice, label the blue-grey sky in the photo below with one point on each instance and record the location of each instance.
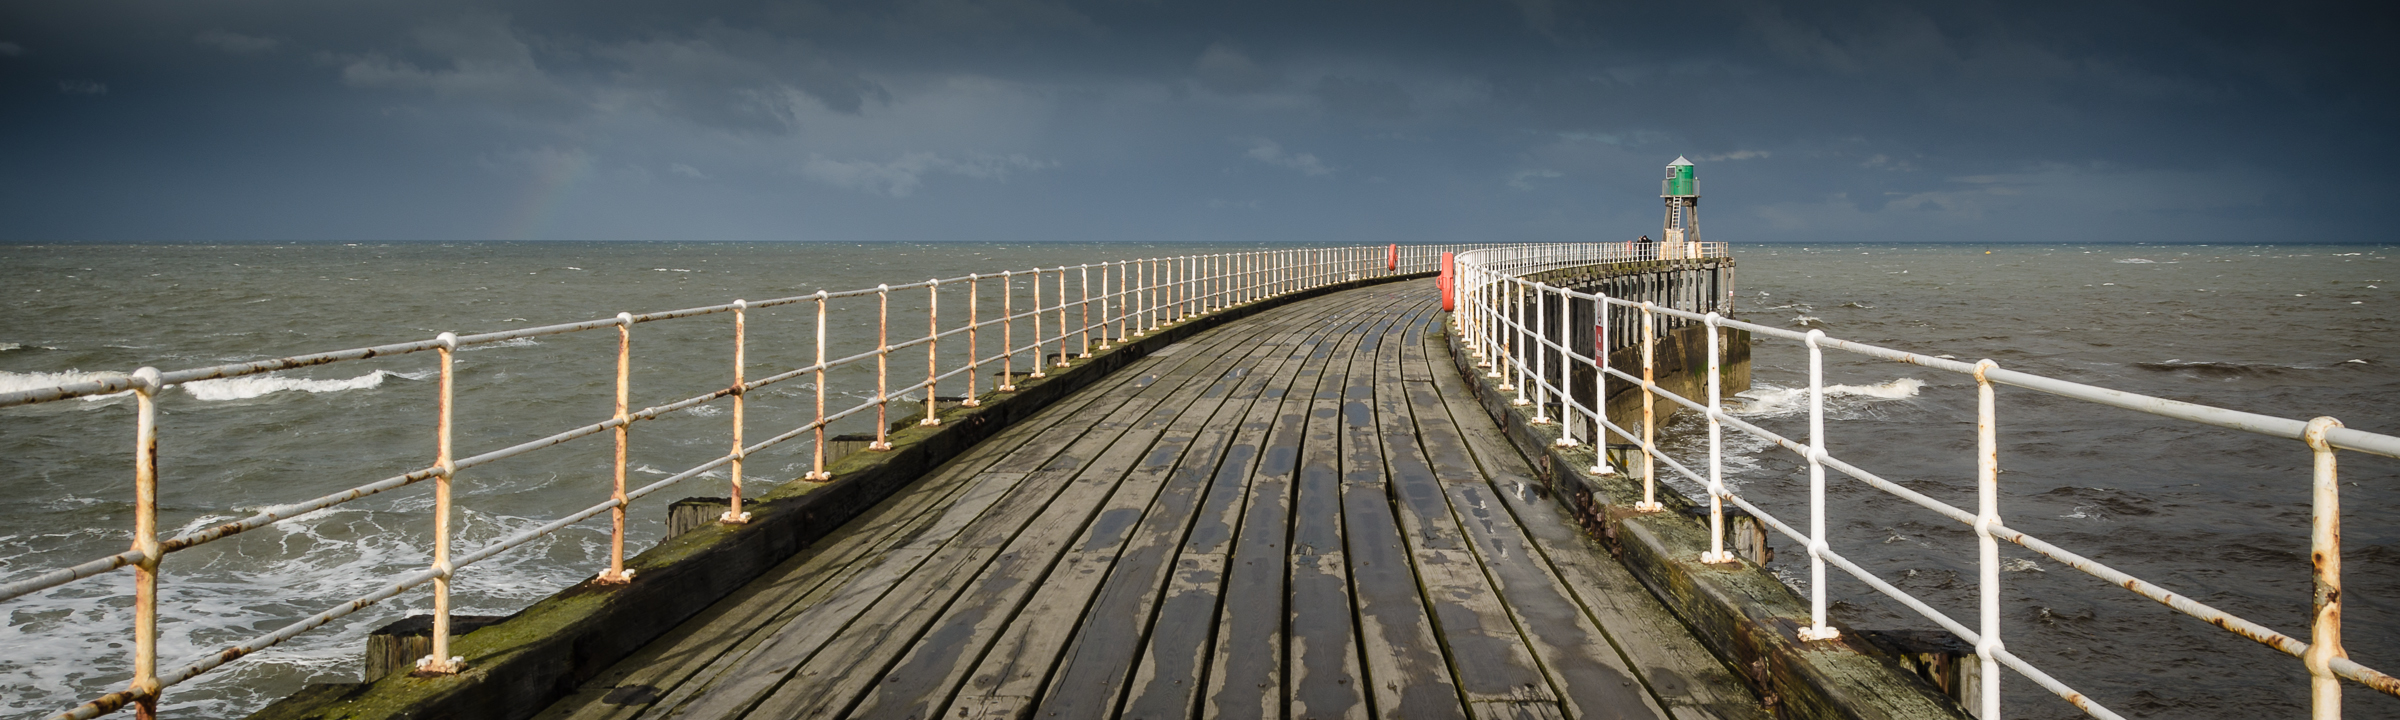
(1167, 120)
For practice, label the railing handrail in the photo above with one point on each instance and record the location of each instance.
(1137, 295)
(1494, 321)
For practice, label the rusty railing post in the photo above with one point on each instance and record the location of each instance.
(616, 574)
(145, 541)
(933, 341)
(1649, 503)
(816, 471)
(1008, 331)
(1084, 285)
(883, 375)
(1039, 361)
(2325, 559)
(974, 324)
(1062, 317)
(741, 332)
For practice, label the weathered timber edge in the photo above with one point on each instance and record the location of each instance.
(1741, 612)
(521, 665)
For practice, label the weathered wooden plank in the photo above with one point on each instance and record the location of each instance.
(1170, 675)
(1325, 665)
(1486, 648)
(1407, 674)
(853, 661)
(1324, 649)
(1019, 664)
(798, 641)
(736, 624)
(1649, 643)
(1415, 484)
(851, 665)
(1246, 670)
(1166, 683)
(1519, 710)
(1093, 672)
(928, 675)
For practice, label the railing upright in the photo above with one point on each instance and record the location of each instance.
(933, 341)
(1716, 451)
(1008, 332)
(2325, 555)
(816, 471)
(1817, 629)
(145, 685)
(1063, 332)
(883, 356)
(741, 330)
(1040, 360)
(974, 327)
(1083, 284)
(1649, 503)
(616, 574)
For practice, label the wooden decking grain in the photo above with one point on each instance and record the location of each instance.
(1298, 515)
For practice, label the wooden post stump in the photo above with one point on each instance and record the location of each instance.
(689, 513)
(395, 647)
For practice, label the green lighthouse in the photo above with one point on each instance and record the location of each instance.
(1682, 195)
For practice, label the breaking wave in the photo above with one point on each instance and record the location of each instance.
(244, 388)
(1776, 401)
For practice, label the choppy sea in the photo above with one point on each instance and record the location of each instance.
(2286, 330)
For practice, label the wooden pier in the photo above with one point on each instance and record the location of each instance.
(1301, 514)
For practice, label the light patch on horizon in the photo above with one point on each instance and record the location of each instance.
(1272, 153)
(81, 87)
(1736, 155)
(11, 49)
(902, 176)
(687, 171)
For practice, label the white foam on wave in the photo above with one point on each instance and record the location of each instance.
(1774, 401)
(244, 388)
(2136, 261)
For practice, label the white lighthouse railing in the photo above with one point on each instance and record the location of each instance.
(1500, 317)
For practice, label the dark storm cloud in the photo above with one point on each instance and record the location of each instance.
(1050, 119)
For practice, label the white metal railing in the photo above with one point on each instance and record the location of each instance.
(1501, 315)
(1134, 296)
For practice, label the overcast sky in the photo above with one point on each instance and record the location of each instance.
(1169, 120)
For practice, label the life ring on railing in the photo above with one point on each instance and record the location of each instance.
(1449, 282)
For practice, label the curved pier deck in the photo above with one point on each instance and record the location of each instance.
(1297, 515)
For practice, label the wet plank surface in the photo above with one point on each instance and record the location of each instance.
(1289, 516)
